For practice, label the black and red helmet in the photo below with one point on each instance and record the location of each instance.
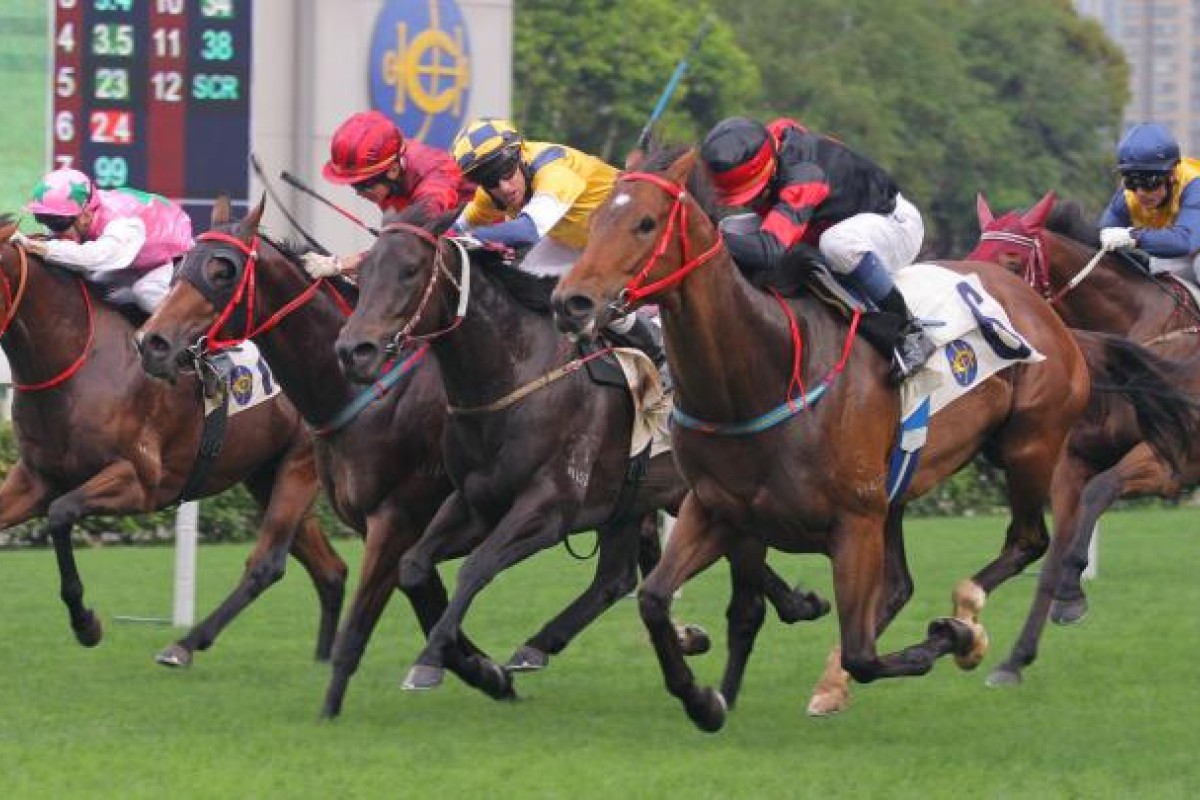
(364, 146)
(740, 154)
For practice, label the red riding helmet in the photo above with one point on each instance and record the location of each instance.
(363, 146)
(741, 156)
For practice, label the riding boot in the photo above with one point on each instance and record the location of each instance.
(913, 347)
(642, 334)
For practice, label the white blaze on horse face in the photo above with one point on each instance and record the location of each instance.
(621, 199)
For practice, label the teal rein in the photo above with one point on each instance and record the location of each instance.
(769, 420)
(377, 390)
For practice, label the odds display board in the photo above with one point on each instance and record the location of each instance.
(154, 94)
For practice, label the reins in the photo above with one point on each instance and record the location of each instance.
(14, 303)
(463, 285)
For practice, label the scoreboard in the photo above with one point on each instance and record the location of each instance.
(154, 94)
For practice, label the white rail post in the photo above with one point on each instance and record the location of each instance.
(187, 520)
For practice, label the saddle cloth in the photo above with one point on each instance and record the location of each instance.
(247, 383)
(651, 403)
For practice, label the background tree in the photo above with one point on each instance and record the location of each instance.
(588, 72)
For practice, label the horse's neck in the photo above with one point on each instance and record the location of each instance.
(300, 349)
(729, 345)
(1110, 298)
(50, 329)
(498, 346)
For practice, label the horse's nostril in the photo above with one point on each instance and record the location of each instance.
(579, 305)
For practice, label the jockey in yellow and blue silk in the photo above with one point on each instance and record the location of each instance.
(1157, 208)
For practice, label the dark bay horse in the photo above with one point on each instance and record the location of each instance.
(1112, 453)
(535, 449)
(815, 483)
(97, 437)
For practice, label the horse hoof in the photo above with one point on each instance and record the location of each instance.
(1068, 612)
(90, 631)
(495, 681)
(978, 650)
(802, 607)
(962, 638)
(828, 703)
(527, 659)
(422, 678)
(175, 655)
(693, 639)
(1004, 676)
(709, 710)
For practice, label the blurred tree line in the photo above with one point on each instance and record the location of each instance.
(952, 97)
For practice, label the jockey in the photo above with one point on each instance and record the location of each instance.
(540, 197)
(808, 189)
(123, 239)
(1157, 208)
(369, 154)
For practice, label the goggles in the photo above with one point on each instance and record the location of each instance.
(1144, 180)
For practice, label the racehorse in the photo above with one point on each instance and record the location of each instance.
(815, 482)
(378, 448)
(535, 449)
(1111, 455)
(97, 437)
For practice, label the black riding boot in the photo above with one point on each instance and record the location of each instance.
(912, 347)
(647, 337)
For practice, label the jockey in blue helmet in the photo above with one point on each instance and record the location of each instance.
(1157, 207)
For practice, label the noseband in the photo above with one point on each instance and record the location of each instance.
(637, 289)
(463, 285)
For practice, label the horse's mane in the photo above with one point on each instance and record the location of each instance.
(1067, 218)
(6, 218)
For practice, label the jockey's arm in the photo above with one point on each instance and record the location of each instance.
(115, 248)
(536, 219)
(1182, 237)
(1116, 214)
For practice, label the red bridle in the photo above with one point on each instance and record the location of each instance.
(637, 288)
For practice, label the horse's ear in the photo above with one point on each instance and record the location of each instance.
(635, 159)
(249, 226)
(220, 212)
(1034, 217)
(7, 230)
(682, 168)
(983, 211)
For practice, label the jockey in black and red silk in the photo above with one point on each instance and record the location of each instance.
(809, 189)
(369, 154)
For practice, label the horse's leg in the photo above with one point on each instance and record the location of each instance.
(23, 496)
(746, 610)
(792, 604)
(285, 493)
(1140, 472)
(454, 531)
(327, 571)
(1069, 478)
(831, 694)
(615, 577)
(695, 543)
(693, 638)
(114, 490)
(536, 520)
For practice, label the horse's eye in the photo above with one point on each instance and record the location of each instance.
(645, 225)
(408, 271)
(220, 270)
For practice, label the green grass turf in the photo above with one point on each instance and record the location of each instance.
(1109, 710)
(25, 97)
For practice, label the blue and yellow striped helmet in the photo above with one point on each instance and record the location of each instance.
(487, 145)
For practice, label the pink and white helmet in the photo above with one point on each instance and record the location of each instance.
(62, 193)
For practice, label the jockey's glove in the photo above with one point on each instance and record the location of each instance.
(318, 266)
(35, 246)
(1117, 238)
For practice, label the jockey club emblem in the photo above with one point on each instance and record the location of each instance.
(420, 68)
(241, 384)
(964, 363)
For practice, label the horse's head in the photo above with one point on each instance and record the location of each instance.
(209, 292)
(643, 239)
(399, 280)
(1014, 240)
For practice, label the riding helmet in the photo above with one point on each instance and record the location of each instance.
(1147, 147)
(364, 146)
(62, 193)
(487, 149)
(741, 156)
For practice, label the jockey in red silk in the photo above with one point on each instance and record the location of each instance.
(369, 154)
(124, 240)
(1157, 208)
(809, 189)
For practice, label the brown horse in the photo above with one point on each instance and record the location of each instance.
(535, 449)
(97, 437)
(1110, 454)
(378, 447)
(816, 481)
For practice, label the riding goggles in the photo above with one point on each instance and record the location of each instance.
(1145, 180)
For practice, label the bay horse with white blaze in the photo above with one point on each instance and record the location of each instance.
(816, 481)
(1111, 454)
(535, 449)
(97, 437)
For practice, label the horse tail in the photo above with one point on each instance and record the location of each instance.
(1168, 419)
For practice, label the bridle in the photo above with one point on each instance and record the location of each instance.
(677, 222)
(462, 284)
